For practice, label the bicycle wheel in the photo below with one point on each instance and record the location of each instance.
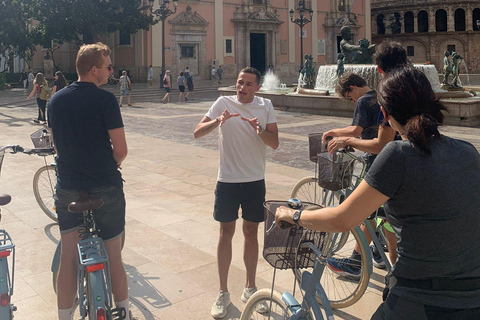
(44, 183)
(277, 308)
(308, 190)
(343, 291)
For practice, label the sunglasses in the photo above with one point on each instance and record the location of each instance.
(110, 68)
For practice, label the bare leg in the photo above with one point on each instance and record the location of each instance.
(67, 271)
(121, 98)
(392, 245)
(128, 99)
(224, 252)
(367, 234)
(117, 271)
(250, 251)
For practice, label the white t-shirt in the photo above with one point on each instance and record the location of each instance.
(242, 151)
(213, 71)
(150, 74)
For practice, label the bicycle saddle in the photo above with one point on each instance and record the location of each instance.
(86, 202)
(5, 199)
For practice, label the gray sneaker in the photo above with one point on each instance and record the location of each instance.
(247, 293)
(219, 308)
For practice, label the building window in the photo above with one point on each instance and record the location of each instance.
(410, 51)
(228, 46)
(380, 24)
(476, 16)
(187, 51)
(123, 38)
(441, 20)
(451, 48)
(408, 18)
(306, 4)
(459, 20)
(258, 2)
(422, 21)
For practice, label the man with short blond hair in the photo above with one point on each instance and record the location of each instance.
(88, 135)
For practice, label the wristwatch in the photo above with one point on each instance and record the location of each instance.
(296, 216)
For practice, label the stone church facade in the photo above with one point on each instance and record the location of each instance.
(234, 34)
(428, 28)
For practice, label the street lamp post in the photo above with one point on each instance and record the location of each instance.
(162, 13)
(301, 21)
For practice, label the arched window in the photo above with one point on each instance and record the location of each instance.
(459, 20)
(380, 24)
(409, 25)
(476, 17)
(441, 20)
(422, 21)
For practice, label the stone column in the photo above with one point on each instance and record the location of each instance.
(431, 20)
(450, 19)
(415, 22)
(468, 18)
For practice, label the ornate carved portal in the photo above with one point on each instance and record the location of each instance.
(189, 32)
(257, 40)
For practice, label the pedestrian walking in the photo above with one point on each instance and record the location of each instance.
(31, 79)
(220, 74)
(24, 79)
(59, 83)
(42, 93)
(190, 85)
(247, 125)
(150, 77)
(181, 86)
(213, 75)
(167, 83)
(125, 87)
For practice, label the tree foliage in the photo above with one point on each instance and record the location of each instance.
(82, 21)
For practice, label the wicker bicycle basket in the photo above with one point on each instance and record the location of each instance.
(335, 171)
(42, 138)
(282, 246)
(315, 145)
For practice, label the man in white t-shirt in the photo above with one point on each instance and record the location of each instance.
(150, 77)
(247, 125)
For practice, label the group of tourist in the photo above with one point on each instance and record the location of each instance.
(428, 183)
(185, 79)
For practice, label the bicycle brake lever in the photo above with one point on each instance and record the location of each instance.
(285, 225)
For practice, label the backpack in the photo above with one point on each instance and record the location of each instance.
(165, 82)
(189, 80)
(45, 93)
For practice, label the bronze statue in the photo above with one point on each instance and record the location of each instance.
(355, 54)
(447, 68)
(457, 60)
(340, 65)
(308, 73)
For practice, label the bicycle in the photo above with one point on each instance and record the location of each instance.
(342, 291)
(294, 248)
(93, 275)
(45, 178)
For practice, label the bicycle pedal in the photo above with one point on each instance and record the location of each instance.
(119, 313)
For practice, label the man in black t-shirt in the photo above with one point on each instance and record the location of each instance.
(90, 141)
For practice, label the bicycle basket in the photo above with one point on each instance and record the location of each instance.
(42, 138)
(281, 246)
(334, 171)
(315, 145)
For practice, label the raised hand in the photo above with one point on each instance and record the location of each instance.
(227, 115)
(254, 123)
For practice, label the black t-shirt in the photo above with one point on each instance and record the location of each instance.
(366, 115)
(80, 116)
(433, 208)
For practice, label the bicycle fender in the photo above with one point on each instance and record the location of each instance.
(364, 243)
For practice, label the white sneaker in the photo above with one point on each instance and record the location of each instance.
(219, 308)
(247, 293)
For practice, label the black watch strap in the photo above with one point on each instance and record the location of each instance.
(296, 216)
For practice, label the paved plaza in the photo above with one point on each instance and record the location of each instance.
(171, 237)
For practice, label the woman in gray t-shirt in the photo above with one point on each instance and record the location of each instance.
(431, 186)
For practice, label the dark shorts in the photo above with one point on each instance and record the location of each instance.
(398, 308)
(190, 88)
(109, 219)
(229, 197)
(167, 89)
(181, 88)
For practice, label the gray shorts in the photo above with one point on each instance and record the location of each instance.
(109, 219)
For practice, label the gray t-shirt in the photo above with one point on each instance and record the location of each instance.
(434, 209)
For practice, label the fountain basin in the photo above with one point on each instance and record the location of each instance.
(461, 111)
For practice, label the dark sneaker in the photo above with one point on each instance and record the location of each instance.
(346, 267)
(377, 258)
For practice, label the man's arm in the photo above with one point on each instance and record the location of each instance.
(270, 135)
(207, 125)
(385, 135)
(119, 144)
(350, 131)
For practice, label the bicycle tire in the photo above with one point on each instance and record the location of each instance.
(44, 183)
(277, 308)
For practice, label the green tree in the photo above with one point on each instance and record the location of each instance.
(82, 21)
(15, 32)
